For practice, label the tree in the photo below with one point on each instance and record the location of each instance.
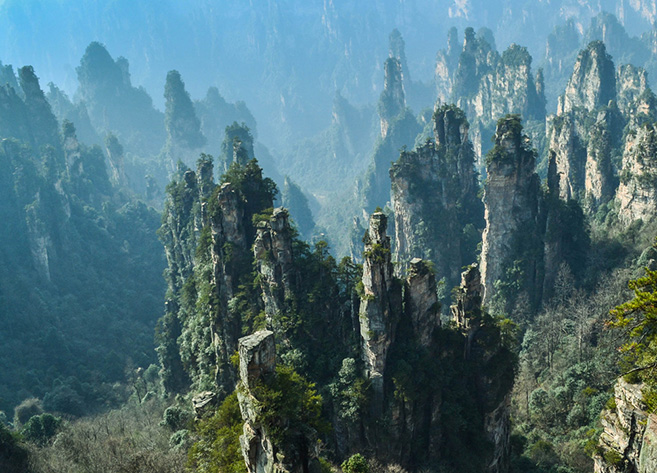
(639, 317)
(39, 429)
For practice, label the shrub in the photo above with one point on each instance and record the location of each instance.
(27, 409)
(355, 464)
(218, 447)
(41, 428)
(179, 440)
(175, 418)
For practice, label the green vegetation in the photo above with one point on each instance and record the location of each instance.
(355, 464)
(289, 407)
(638, 317)
(217, 449)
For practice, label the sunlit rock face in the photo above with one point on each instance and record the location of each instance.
(512, 204)
(487, 84)
(273, 252)
(381, 303)
(637, 192)
(257, 361)
(599, 102)
(629, 435)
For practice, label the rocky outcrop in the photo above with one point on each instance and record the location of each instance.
(511, 198)
(257, 360)
(466, 311)
(597, 105)
(229, 247)
(629, 433)
(637, 192)
(393, 99)
(263, 450)
(593, 81)
(486, 84)
(631, 83)
(470, 318)
(508, 87)
(434, 196)
(115, 156)
(381, 303)
(204, 404)
(447, 61)
(273, 252)
(583, 152)
(421, 301)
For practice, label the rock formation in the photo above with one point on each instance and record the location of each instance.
(421, 301)
(399, 129)
(273, 251)
(598, 103)
(487, 85)
(629, 439)
(474, 323)
(263, 450)
(229, 246)
(45, 129)
(257, 361)
(381, 302)
(593, 81)
(434, 196)
(466, 311)
(183, 127)
(513, 226)
(631, 83)
(637, 192)
(393, 100)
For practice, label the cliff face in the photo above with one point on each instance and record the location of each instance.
(511, 199)
(434, 196)
(207, 234)
(257, 361)
(637, 192)
(273, 251)
(229, 246)
(629, 437)
(583, 151)
(570, 156)
(421, 301)
(381, 304)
